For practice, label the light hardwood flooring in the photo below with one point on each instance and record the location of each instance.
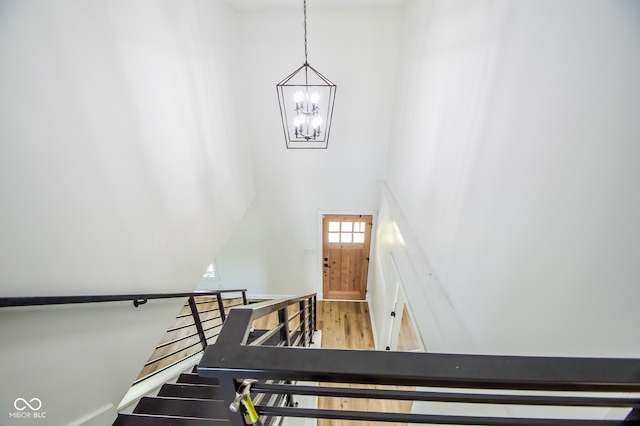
(407, 339)
(347, 325)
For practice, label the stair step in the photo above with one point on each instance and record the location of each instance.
(255, 334)
(194, 378)
(149, 420)
(180, 390)
(199, 408)
(272, 341)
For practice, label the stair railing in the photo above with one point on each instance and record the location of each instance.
(483, 380)
(197, 325)
(137, 299)
(289, 322)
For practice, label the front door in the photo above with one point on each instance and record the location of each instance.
(345, 255)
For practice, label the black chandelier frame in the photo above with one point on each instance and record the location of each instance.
(287, 87)
(303, 133)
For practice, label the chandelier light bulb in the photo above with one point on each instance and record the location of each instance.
(315, 97)
(316, 122)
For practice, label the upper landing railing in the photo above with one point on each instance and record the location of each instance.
(501, 383)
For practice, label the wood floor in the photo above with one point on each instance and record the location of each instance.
(347, 325)
(407, 339)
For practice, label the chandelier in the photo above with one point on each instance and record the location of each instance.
(306, 100)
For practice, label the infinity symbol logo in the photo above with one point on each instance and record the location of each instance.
(26, 404)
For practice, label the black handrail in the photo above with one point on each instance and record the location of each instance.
(462, 397)
(140, 299)
(231, 359)
(64, 300)
(375, 416)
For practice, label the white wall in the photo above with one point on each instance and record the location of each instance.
(515, 161)
(275, 249)
(398, 256)
(121, 171)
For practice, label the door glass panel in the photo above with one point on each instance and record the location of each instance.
(346, 232)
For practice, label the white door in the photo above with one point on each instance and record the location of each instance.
(395, 320)
(400, 328)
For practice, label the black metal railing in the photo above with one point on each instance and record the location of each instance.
(196, 326)
(289, 323)
(137, 299)
(504, 381)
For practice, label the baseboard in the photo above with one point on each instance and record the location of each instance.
(154, 382)
(374, 330)
(104, 415)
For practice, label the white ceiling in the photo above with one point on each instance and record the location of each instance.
(292, 4)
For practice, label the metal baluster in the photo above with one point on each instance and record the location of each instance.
(303, 320)
(283, 318)
(223, 314)
(197, 322)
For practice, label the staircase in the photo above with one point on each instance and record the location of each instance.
(280, 373)
(192, 400)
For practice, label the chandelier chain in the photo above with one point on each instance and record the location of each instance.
(306, 53)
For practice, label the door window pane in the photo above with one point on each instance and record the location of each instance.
(346, 232)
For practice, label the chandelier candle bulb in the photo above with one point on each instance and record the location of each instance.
(298, 99)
